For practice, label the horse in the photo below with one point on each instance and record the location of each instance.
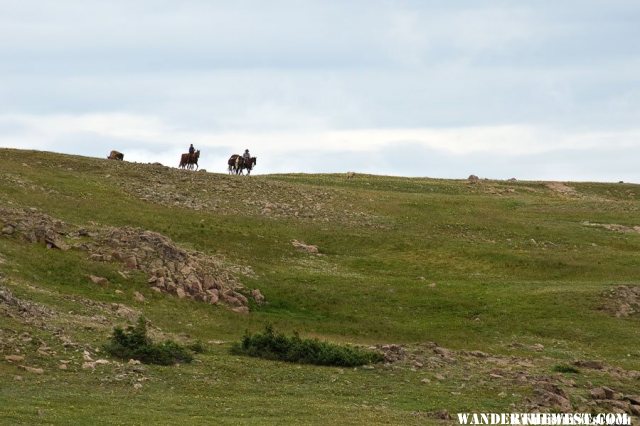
(188, 160)
(247, 164)
(232, 162)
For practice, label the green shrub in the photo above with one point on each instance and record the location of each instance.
(563, 368)
(277, 346)
(133, 343)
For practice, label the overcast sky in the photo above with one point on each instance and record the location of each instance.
(531, 89)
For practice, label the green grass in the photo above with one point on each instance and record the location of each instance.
(403, 261)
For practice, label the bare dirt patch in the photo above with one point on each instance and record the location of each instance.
(622, 301)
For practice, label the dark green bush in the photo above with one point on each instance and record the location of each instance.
(277, 346)
(197, 347)
(133, 343)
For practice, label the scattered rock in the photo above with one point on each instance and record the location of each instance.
(28, 312)
(257, 296)
(125, 312)
(594, 365)
(602, 393)
(98, 280)
(138, 297)
(392, 353)
(14, 358)
(33, 370)
(442, 415)
(551, 395)
(304, 247)
(241, 310)
(444, 353)
(633, 399)
(473, 179)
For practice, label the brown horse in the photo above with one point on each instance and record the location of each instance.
(233, 161)
(188, 160)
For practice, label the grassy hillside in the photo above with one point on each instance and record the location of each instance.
(488, 290)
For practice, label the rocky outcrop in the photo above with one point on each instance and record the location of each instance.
(169, 268)
(34, 227)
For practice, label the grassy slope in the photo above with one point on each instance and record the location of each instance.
(494, 286)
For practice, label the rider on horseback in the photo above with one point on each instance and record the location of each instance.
(241, 161)
(192, 150)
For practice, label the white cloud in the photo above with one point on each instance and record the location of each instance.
(148, 139)
(323, 78)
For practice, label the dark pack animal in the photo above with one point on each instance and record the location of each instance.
(115, 155)
(189, 160)
(237, 164)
